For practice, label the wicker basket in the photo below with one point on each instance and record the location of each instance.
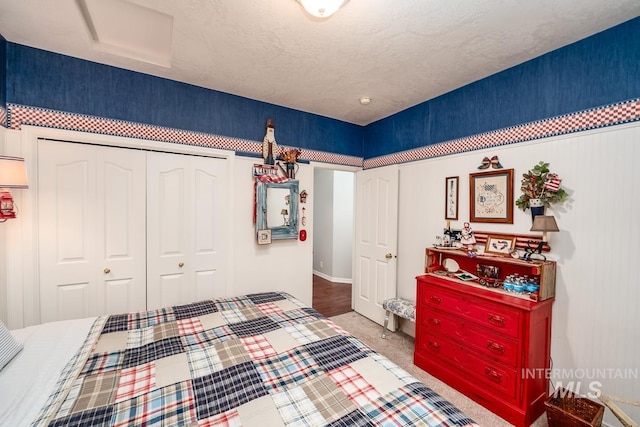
(564, 409)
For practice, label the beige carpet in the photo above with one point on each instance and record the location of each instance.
(398, 347)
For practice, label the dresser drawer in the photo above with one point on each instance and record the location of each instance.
(469, 333)
(495, 317)
(443, 349)
(492, 345)
(436, 322)
(497, 377)
(444, 300)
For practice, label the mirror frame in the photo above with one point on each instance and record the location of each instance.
(280, 232)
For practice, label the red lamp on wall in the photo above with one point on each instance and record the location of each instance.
(13, 174)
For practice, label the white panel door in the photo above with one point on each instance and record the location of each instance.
(376, 240)
(210, 223)
(91, 230)
(186, 205)
(121, 219)
(167, 230)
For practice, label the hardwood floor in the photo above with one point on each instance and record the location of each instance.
(331, 298)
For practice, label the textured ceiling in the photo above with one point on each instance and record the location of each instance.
(398, 52)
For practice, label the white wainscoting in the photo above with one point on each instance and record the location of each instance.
(596, 320)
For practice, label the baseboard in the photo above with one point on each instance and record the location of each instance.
(408, 327)
(333, 279)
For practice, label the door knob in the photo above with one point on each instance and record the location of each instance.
(107, 270)
(181, 264)
(388, 256)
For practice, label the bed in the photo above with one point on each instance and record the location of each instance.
(255, 360)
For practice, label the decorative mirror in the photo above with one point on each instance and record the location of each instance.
(277, 209)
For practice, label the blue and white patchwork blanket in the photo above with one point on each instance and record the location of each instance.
(256, 360)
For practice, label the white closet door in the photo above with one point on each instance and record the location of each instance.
(91, 230)
(122, 238)
(185, 226)
(210, 224)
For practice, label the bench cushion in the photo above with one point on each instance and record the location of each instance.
(399, 307)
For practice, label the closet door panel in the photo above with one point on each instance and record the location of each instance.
(186, 205)
(208, 285)
(124, 230)
(209, 219)
(168, 266)
(170, 210)
(66, 224)
(92, 242)
(73, 213)
(73, 301)
(121, 210)
(122, 295)
(171, 290)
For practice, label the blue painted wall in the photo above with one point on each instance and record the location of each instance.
(593, 72)
(39, 78)
(599, 70)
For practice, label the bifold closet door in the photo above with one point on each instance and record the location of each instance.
(91, 230)
(186, 226)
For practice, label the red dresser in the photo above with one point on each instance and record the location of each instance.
(492, 346)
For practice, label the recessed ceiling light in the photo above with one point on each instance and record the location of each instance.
(365, 100)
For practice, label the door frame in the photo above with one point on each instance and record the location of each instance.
(345, 168)
(23, 282)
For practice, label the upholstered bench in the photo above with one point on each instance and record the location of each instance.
(399, 307)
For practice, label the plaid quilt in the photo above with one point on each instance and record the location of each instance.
(255, 360)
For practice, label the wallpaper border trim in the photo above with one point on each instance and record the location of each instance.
(623, 112)
(613, 114)
(19, 115)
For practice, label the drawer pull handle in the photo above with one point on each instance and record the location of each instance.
(493, 375)
(434, 321)
(497, 320)
(435, 299)
(434, 345)
(495, 347)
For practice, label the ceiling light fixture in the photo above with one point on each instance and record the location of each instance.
(365, 100)
(322, 8)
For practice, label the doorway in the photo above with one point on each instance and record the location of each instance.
(333, 204)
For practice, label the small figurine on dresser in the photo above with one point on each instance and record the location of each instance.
(467, 237)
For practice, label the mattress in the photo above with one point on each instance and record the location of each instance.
(26, 382)
(255, 360)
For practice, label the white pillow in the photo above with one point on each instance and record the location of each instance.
(9, 347)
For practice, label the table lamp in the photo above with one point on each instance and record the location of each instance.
(544, 223)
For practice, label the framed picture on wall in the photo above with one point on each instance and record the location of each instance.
(491, 196)
(451, 197)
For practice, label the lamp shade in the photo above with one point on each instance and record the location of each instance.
(544, 223)
(13, 173)
(322, 8)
